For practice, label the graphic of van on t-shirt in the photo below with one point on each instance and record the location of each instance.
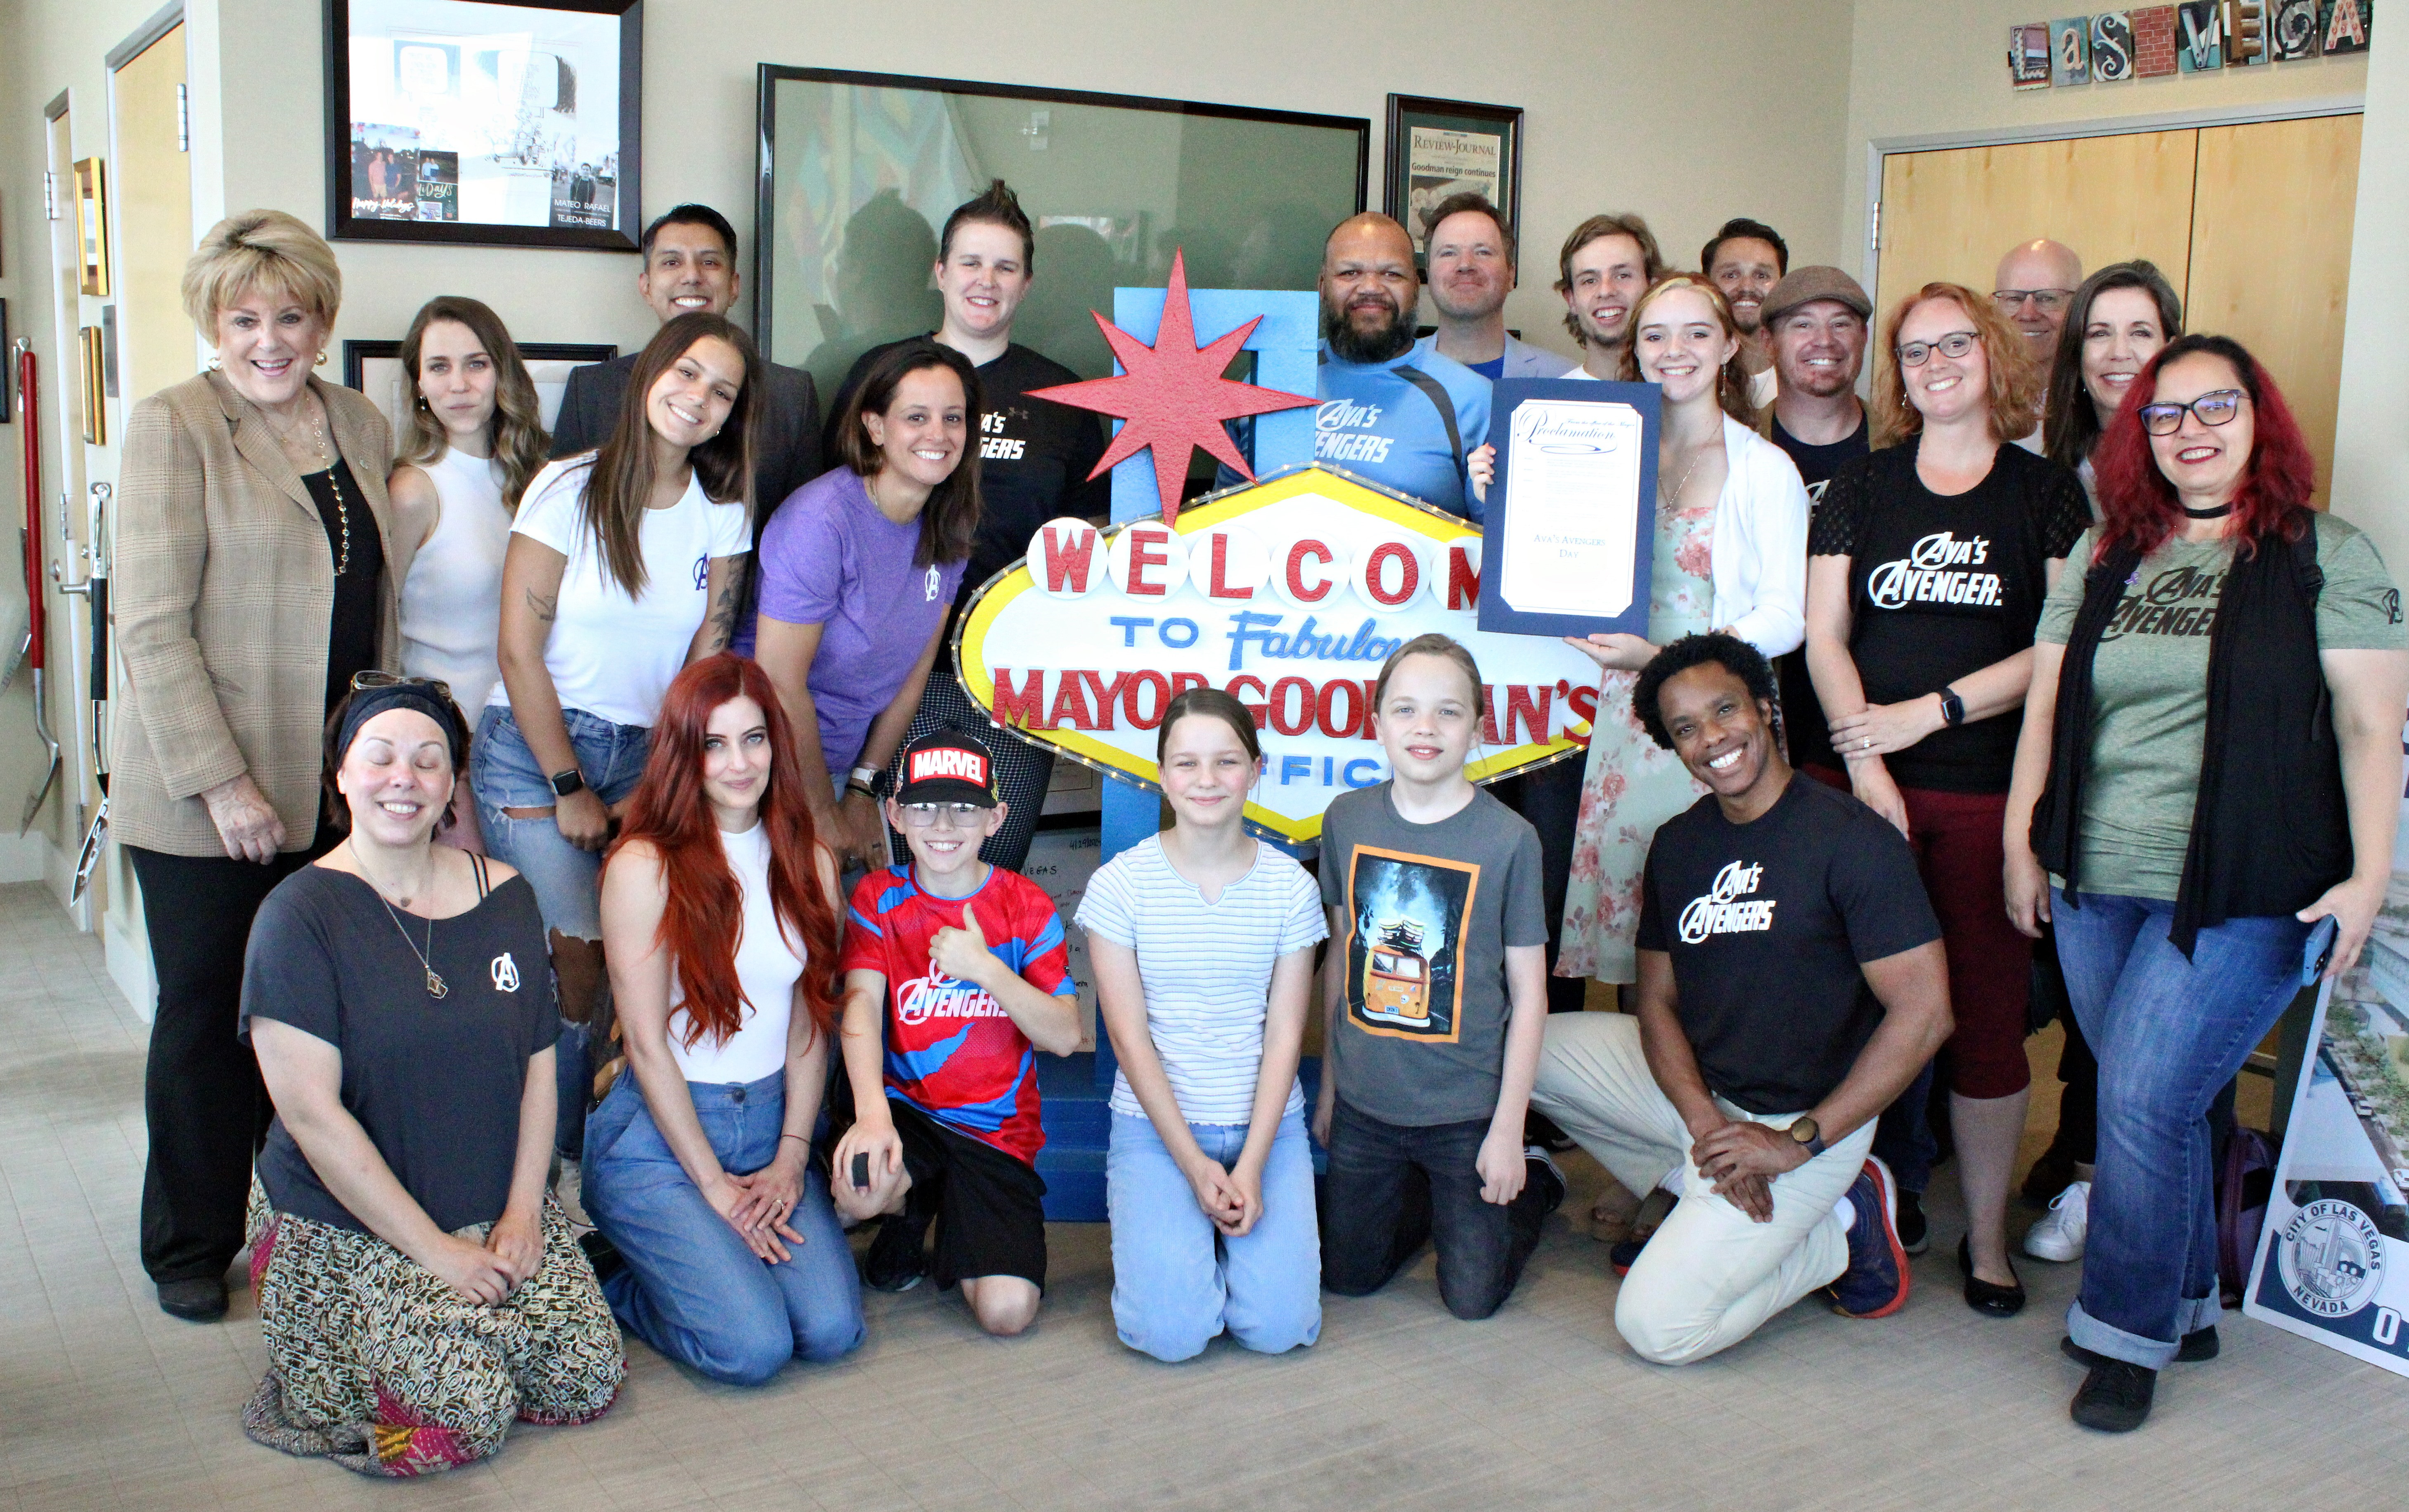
(1404, 953)
(952, 1051)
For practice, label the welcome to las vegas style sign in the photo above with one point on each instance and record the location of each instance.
(1287, 592)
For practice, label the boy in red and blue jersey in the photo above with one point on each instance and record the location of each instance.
(955, 975)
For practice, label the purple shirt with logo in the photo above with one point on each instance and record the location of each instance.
(829, 558)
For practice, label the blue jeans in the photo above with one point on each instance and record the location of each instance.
(2170, 1034)
(692, 1290)
(1177, 1281)
(506, 775)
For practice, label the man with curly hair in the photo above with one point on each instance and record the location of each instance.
(1791, 983)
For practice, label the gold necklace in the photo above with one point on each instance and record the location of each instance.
(435, 987)
(334, 481)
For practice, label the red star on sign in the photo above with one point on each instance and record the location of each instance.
(1173, 395)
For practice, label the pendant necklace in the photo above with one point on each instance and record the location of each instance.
(435, 987)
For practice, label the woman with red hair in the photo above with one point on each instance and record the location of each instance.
(2204, 800)
(720, 926)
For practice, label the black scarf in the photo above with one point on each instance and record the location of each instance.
(2269, 828)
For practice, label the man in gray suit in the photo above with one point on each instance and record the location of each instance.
(1471, 272)
(689, 265)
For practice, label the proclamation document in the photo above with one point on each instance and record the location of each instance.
(1569, 530)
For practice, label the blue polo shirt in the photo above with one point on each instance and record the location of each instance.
(1406, 425)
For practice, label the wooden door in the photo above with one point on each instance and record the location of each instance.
(154, 219)
(1952, 214)
(2270, 256)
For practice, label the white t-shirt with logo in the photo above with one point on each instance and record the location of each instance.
(611, 654)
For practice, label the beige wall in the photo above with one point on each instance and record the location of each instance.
(2371, 486)
(1928, 67)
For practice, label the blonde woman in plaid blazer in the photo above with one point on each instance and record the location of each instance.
(255, 578)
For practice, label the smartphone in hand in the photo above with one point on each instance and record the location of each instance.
(861, 1170)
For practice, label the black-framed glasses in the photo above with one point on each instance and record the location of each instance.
(922, 815)
(362, 682)
(1955, 344)
(2050, 300)
(2217, 407)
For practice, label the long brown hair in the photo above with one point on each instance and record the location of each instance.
(2016, 378)
(2070, 423)
(949, 520)
(1731, 379)
(520, 446)
(704, 912)
(620, 480)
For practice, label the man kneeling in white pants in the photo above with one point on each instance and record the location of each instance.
(1791, 986)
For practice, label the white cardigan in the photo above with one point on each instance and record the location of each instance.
(1759, 553)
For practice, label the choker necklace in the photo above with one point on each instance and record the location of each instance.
(2217, 513)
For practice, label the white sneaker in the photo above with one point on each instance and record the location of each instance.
(2060, 1236)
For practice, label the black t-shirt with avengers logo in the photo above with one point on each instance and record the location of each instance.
(1768, 925)
(1941, 585)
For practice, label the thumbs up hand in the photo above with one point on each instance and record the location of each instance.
(963, 953)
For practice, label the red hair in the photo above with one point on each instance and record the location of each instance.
(2137, 502)
(705, 907)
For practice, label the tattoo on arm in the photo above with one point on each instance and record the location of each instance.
(723, 614)
(545, 607)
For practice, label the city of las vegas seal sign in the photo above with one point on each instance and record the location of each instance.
(2330, 1258)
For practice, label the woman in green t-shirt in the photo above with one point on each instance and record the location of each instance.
(2209, 769)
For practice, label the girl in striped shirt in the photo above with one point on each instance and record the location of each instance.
(1201, 944)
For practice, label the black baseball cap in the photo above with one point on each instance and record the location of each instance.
(948, 766)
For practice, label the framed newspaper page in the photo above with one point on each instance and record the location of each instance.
(1442, 148)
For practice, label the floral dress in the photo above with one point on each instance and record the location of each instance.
(1631, 783)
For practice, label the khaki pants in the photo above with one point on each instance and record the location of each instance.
(1712, 1275)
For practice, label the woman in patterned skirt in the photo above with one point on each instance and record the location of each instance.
(418, 1288)
(1730, 554)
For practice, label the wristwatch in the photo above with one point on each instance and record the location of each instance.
(1809, 1135)
(863, 780)
(1952, 708)
(566, 783)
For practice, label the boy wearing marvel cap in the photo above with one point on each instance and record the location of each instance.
(955, 976)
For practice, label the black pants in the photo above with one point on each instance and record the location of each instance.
(1391, 1187)
(201, 1092)
(1550, 799)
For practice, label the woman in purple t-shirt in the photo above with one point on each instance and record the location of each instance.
(858, 571)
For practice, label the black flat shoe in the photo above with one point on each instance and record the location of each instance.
(2115, 1397)
(202, 1300)
(2198, 1345)
(1985, 1297)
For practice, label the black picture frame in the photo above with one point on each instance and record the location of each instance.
(1500, 123)
(771, 75)
(625, 220)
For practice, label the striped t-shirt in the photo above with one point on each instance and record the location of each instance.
(1207, 969)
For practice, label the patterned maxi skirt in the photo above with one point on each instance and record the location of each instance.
(375, 1363)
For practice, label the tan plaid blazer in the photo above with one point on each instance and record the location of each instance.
(223, 598)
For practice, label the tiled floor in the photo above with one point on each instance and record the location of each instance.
(106, 1402)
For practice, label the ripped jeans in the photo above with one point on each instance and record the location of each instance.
(506, 775)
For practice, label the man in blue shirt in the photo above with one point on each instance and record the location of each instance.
(1405, 418)
(1472, 267)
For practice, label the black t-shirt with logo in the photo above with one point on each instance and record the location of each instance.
(1768, 923)
(1034, 456)
(1802, 713)
(1941, 585)
(436, 1083)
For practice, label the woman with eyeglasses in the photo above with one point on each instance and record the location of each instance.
(2204, 800)
(1926, 574)
(419, 1290)
(719, 916)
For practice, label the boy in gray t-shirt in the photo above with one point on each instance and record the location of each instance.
(1422, 917)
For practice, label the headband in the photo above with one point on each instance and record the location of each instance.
(367, 703)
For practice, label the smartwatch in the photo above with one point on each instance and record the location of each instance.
(1952, 708)
(862, 780)
(566, 783)
(1809, 1134)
